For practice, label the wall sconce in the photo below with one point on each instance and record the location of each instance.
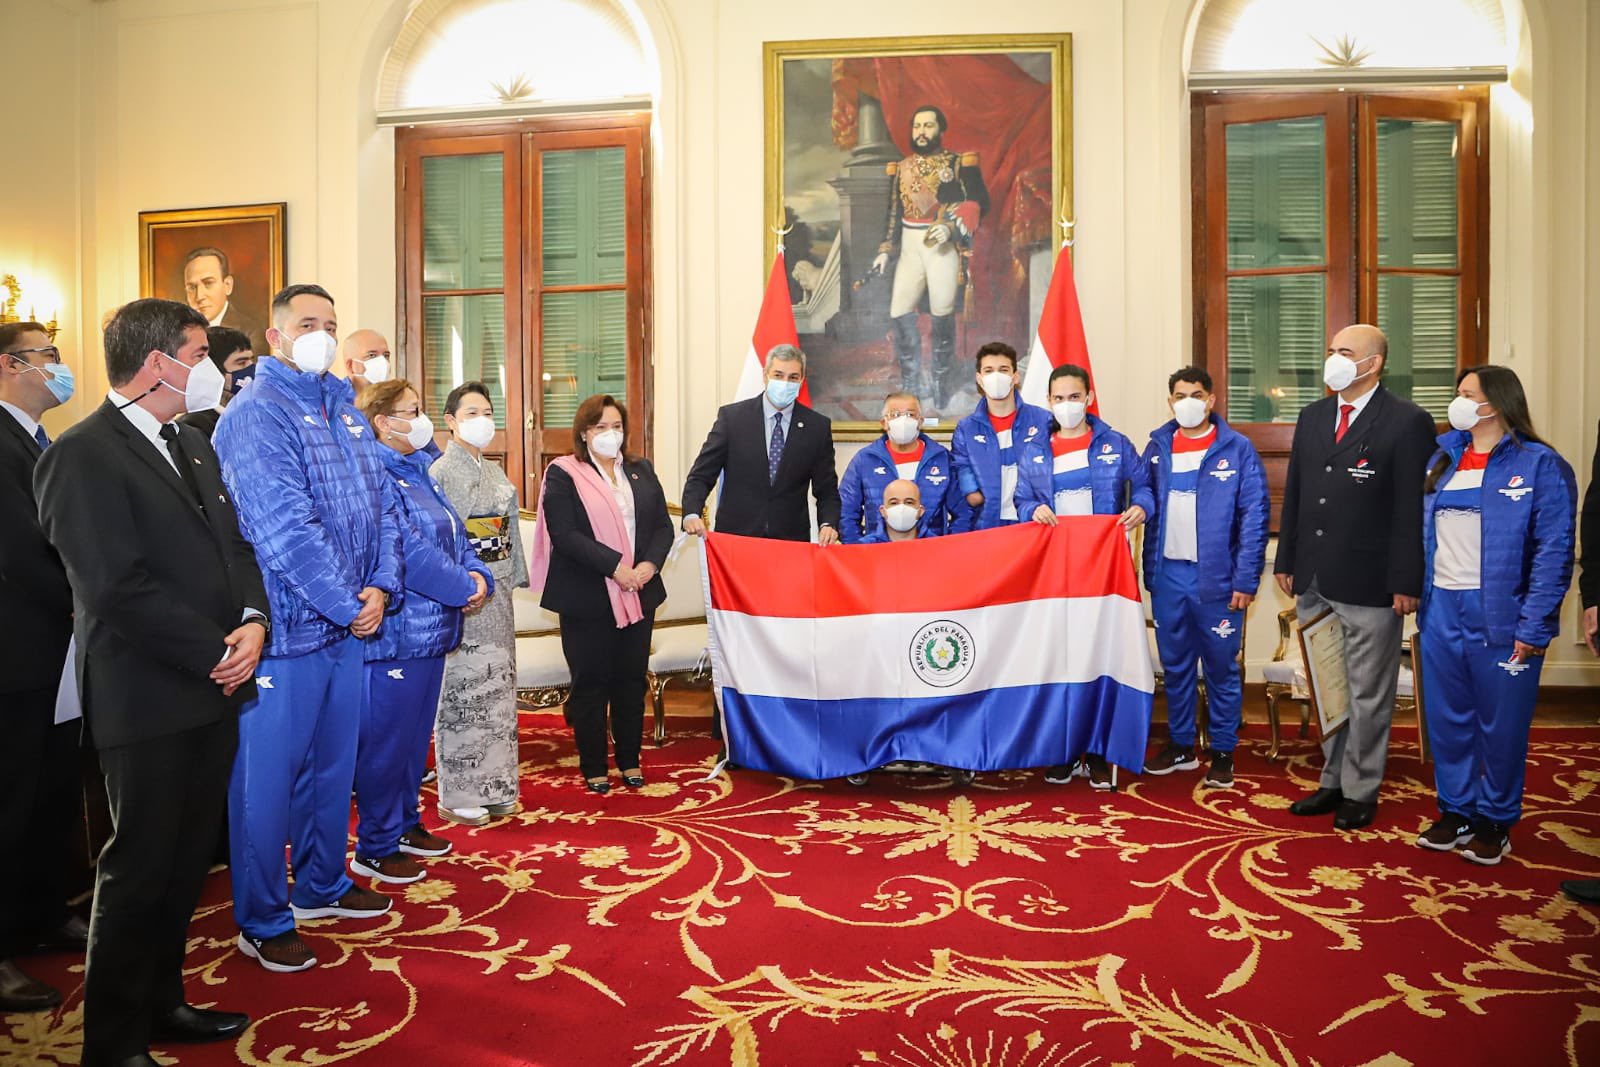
(8, 307)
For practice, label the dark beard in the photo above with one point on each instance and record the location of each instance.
(935, 145)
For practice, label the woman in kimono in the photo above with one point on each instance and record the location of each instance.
(475, 739)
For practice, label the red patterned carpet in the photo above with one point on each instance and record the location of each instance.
(1011, 924)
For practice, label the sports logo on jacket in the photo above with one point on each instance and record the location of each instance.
(1223, 471)
(1516, 490)
(1108, 456)
(934, 477)
(1362, 470)
(1224, 629)
(397, 674)
(879, 470)
(351, 424)
(942, 653)
(1513, 667)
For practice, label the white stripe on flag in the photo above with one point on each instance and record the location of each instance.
(1072, 639)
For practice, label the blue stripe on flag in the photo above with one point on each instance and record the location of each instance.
(995, 729)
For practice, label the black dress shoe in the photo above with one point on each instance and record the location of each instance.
(1353, 815)
(70, 936)
(1583, 891)
(1321, 802)
(19, 993)
(198, 1025)
(602, 788)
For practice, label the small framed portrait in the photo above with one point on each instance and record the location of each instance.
(225, 262)
(918, 184)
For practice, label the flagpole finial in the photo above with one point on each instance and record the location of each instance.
(1066, 225)
(780, 232)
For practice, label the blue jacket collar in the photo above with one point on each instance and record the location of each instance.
(880, 448)
(1164, 433)
(402, 466)
(1456, 443)
(307, 387)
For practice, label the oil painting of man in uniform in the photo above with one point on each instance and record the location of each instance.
(917, 190)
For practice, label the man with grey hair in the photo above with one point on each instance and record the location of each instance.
(768, 451)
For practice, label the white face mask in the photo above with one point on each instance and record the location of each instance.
(1339, 372)
(376, 369)
(904, 429)
(996, 385)
(1189, 411)
(900, 517)
(203, 390)
(1070, 413)
(420, 433)
(1463, 413)
(313, 351)
(477, 431)
(606, 444)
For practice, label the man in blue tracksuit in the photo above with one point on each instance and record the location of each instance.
(314, 500)
(405, 660)
(1204, 549)
(1497, 539)
(992, 445)
(903, 452)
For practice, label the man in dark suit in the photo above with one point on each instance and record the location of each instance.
(768, 450)
(1350, 542)
(1588, 890)
(170, 621)
(39, 780)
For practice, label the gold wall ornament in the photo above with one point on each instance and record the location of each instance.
(1345, 53)
(13, 298)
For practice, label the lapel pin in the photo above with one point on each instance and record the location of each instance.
(635, 477)
(799, 425)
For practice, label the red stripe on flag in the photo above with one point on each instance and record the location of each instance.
(775, 323)
(1061, 335)
(1084, 556)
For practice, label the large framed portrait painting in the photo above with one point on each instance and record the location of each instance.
(225, 262)
(917, 184)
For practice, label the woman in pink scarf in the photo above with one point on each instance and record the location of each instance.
(602, 537)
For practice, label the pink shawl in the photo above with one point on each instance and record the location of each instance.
(605, 519)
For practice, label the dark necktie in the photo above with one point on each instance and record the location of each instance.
(1344, 422)
(775, 449)
(42, 437)
(180, 459)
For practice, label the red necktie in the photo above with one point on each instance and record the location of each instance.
(1344, 422)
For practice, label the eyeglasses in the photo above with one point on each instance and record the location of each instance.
(51, 353)
(407, 415)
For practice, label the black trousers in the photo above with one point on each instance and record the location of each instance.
(165, 796)
(608, 674)
(41, 816)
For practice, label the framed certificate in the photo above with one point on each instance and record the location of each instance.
(1322, 648)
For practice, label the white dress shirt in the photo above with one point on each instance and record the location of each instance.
(221, 314)
(145, 423)
(26, 421)
(1360, 403)
(622, 493)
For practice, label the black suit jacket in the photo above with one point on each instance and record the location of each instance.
(580, 565)
(35, 599)
(750, 503)
(157, 580)
(1352, 510)
(1589, 531)
(249, 325)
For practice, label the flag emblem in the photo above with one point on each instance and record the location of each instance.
(1361, 462)
(1222, 464)
(1516, 480)
(942, 653)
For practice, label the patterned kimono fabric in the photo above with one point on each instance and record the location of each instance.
(475, 737)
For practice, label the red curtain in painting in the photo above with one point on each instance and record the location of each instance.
(998, 111)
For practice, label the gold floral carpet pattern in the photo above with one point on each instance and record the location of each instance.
(757, 920)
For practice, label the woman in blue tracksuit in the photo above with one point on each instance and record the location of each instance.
(1084, 468)
(1497, 528)
(903, 452)
(405, 660)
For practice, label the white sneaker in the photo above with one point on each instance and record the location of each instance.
(465, 816)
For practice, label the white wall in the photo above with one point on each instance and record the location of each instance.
(123, 123)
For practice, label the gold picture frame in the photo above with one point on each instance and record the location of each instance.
(238, 284)
(850, 348)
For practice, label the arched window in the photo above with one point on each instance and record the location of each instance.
(514, 57)
(1341, 176)
(522, 160)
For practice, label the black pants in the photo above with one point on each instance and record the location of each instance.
(608, 673)
(41, 816)
(165, 795)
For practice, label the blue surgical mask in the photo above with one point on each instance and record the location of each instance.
(57, 378)
(237, 378)
(781, 393)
